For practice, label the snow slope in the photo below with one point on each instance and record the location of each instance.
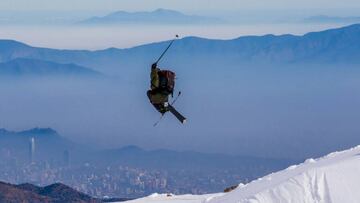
(334, 178)
(164, 198)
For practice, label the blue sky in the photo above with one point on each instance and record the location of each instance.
(179, 4)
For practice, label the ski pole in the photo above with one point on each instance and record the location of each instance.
(167, 48)
(162, 115)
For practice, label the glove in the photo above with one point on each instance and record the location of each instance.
(154, 66)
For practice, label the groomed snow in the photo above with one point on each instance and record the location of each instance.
(334, 178)
(163, 198)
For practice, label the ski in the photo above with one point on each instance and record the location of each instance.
(172, 103)
(180, 117)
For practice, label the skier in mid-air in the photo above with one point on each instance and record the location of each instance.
(162, 86)
(160, 90)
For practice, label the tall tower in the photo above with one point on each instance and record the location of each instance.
(31, 150)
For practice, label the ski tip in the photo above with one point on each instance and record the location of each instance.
(184, 121)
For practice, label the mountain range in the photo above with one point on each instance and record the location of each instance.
(188, 160)
(36, 67)
(51, 146)
(159, 16)
(341, 46)
(55, 193)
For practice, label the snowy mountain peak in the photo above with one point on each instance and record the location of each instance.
(334, 178)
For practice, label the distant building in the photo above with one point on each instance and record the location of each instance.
(32, 150)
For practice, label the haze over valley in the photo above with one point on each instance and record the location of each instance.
(114, 107)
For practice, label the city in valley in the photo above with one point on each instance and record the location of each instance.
(29, 160)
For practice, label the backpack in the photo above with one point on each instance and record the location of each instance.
(166, 81)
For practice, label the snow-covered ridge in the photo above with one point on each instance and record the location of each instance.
(334, 178)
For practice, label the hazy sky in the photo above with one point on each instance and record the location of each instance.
(179, 4)
(20, 16)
